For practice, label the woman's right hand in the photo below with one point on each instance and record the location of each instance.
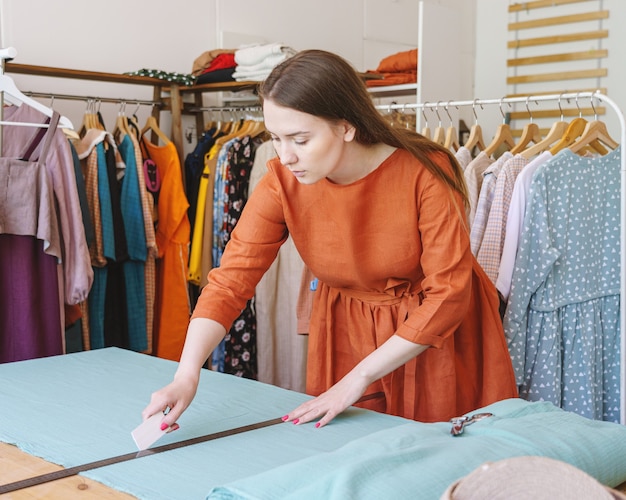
(176, 396)
(203, 335)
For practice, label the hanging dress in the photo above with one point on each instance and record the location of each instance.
(240, 349)
(281, 350)
(562, 319)
(30, 248)
(77, 275)
(172, 304)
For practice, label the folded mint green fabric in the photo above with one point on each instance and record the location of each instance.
(418, 460)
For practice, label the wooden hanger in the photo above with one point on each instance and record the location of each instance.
(503, 136)
(572, 132)
(426, 132)
(122, 127)
(475, 138)
(152, 125)
(594, 134)
(89, 118)
(451, 140)
(556, 132)
(439, 135)
(594, 131)
(530, 133)
(257, 127)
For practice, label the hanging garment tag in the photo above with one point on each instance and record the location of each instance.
(148, 431)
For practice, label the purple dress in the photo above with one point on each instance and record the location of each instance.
(30, 250)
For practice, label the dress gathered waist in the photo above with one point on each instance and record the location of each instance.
(399, 295)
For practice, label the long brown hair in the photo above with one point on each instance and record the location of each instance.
(323, 84)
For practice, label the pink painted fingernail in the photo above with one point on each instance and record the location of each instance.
(164, 426)
(174, 427)
(286, 417)
(317, 425)
(296, 421)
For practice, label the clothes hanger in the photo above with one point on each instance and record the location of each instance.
(133, 123)
(503, 136)
(572, 132)
(530, 133)
(257, 126)
(88, 118)
(556, 132)
(594, 131)
(69, 132)
(99, 119)
(152, 125)
(121, 123)
(425, 129)
(451, 140)
(405, 119)
(475, 139)
(439, 136)
(14, 96)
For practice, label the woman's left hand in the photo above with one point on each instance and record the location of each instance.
(393, 353)
(331, 403)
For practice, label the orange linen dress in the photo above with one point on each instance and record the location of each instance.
(172, 303)
(392, 257)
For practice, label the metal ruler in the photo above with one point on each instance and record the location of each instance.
(72, 471)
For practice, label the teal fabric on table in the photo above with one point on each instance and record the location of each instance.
(418, 461)
(81, 407)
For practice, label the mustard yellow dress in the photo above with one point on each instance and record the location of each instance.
(392, 257)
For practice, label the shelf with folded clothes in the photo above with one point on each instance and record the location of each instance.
(236, 86)
(30, 69)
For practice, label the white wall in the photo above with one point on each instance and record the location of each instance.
(116, 36)
(492, 20)
(119, 36)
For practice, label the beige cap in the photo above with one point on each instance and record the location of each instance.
(529, 477)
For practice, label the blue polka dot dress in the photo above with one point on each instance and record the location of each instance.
(562, 320)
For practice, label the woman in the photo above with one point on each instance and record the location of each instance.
(403, 314)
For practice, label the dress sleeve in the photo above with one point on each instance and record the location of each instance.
(253, 246)
(446, 263)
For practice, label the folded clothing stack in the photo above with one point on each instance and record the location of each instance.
(395, 69)
(255, 62)
(214, 66)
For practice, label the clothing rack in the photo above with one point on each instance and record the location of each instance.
(112, 100)
(244, 107)
(160, 89)
(620, 115)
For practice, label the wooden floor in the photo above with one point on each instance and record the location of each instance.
(16, 465)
